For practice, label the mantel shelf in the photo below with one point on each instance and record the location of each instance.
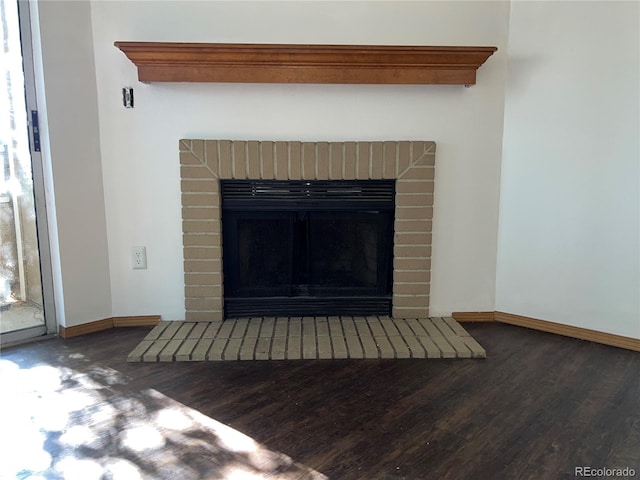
(284, 63)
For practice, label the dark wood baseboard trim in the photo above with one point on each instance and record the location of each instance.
(569, 331)
(473, 317)
(107, 323)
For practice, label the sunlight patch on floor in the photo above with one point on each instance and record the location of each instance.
(142, 438)
(60, 422)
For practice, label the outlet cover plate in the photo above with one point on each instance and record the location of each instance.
(139, 258)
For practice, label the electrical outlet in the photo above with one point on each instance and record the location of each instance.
(139, 258)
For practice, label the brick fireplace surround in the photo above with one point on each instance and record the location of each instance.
(203, 163)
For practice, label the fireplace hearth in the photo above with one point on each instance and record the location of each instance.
(307, 248)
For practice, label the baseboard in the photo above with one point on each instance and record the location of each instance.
(139, 321)
(473, 316)
(91, 327)
(107, 323)
(569, 331)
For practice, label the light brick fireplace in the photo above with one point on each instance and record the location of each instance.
(203, 163)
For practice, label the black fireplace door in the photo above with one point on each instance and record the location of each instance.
(348, 253)
(306, 256)
(258, 254)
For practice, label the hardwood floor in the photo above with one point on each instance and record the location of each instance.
(536, 408)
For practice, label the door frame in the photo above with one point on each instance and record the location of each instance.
(39, 189)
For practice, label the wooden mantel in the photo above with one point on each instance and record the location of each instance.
(284, 63)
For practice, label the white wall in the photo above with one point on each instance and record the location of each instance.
(569, 227)
(140, 146)
(569, 248)
(71, 150)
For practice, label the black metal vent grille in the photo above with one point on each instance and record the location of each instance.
(293, 195)
(307, 306)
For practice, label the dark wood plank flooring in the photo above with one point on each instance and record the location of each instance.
(536, 408)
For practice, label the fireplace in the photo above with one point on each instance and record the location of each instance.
(207, 165)
(307, 248)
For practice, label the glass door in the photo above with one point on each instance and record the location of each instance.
(24, 310)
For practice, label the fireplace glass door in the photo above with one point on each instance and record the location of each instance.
(307, 248)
